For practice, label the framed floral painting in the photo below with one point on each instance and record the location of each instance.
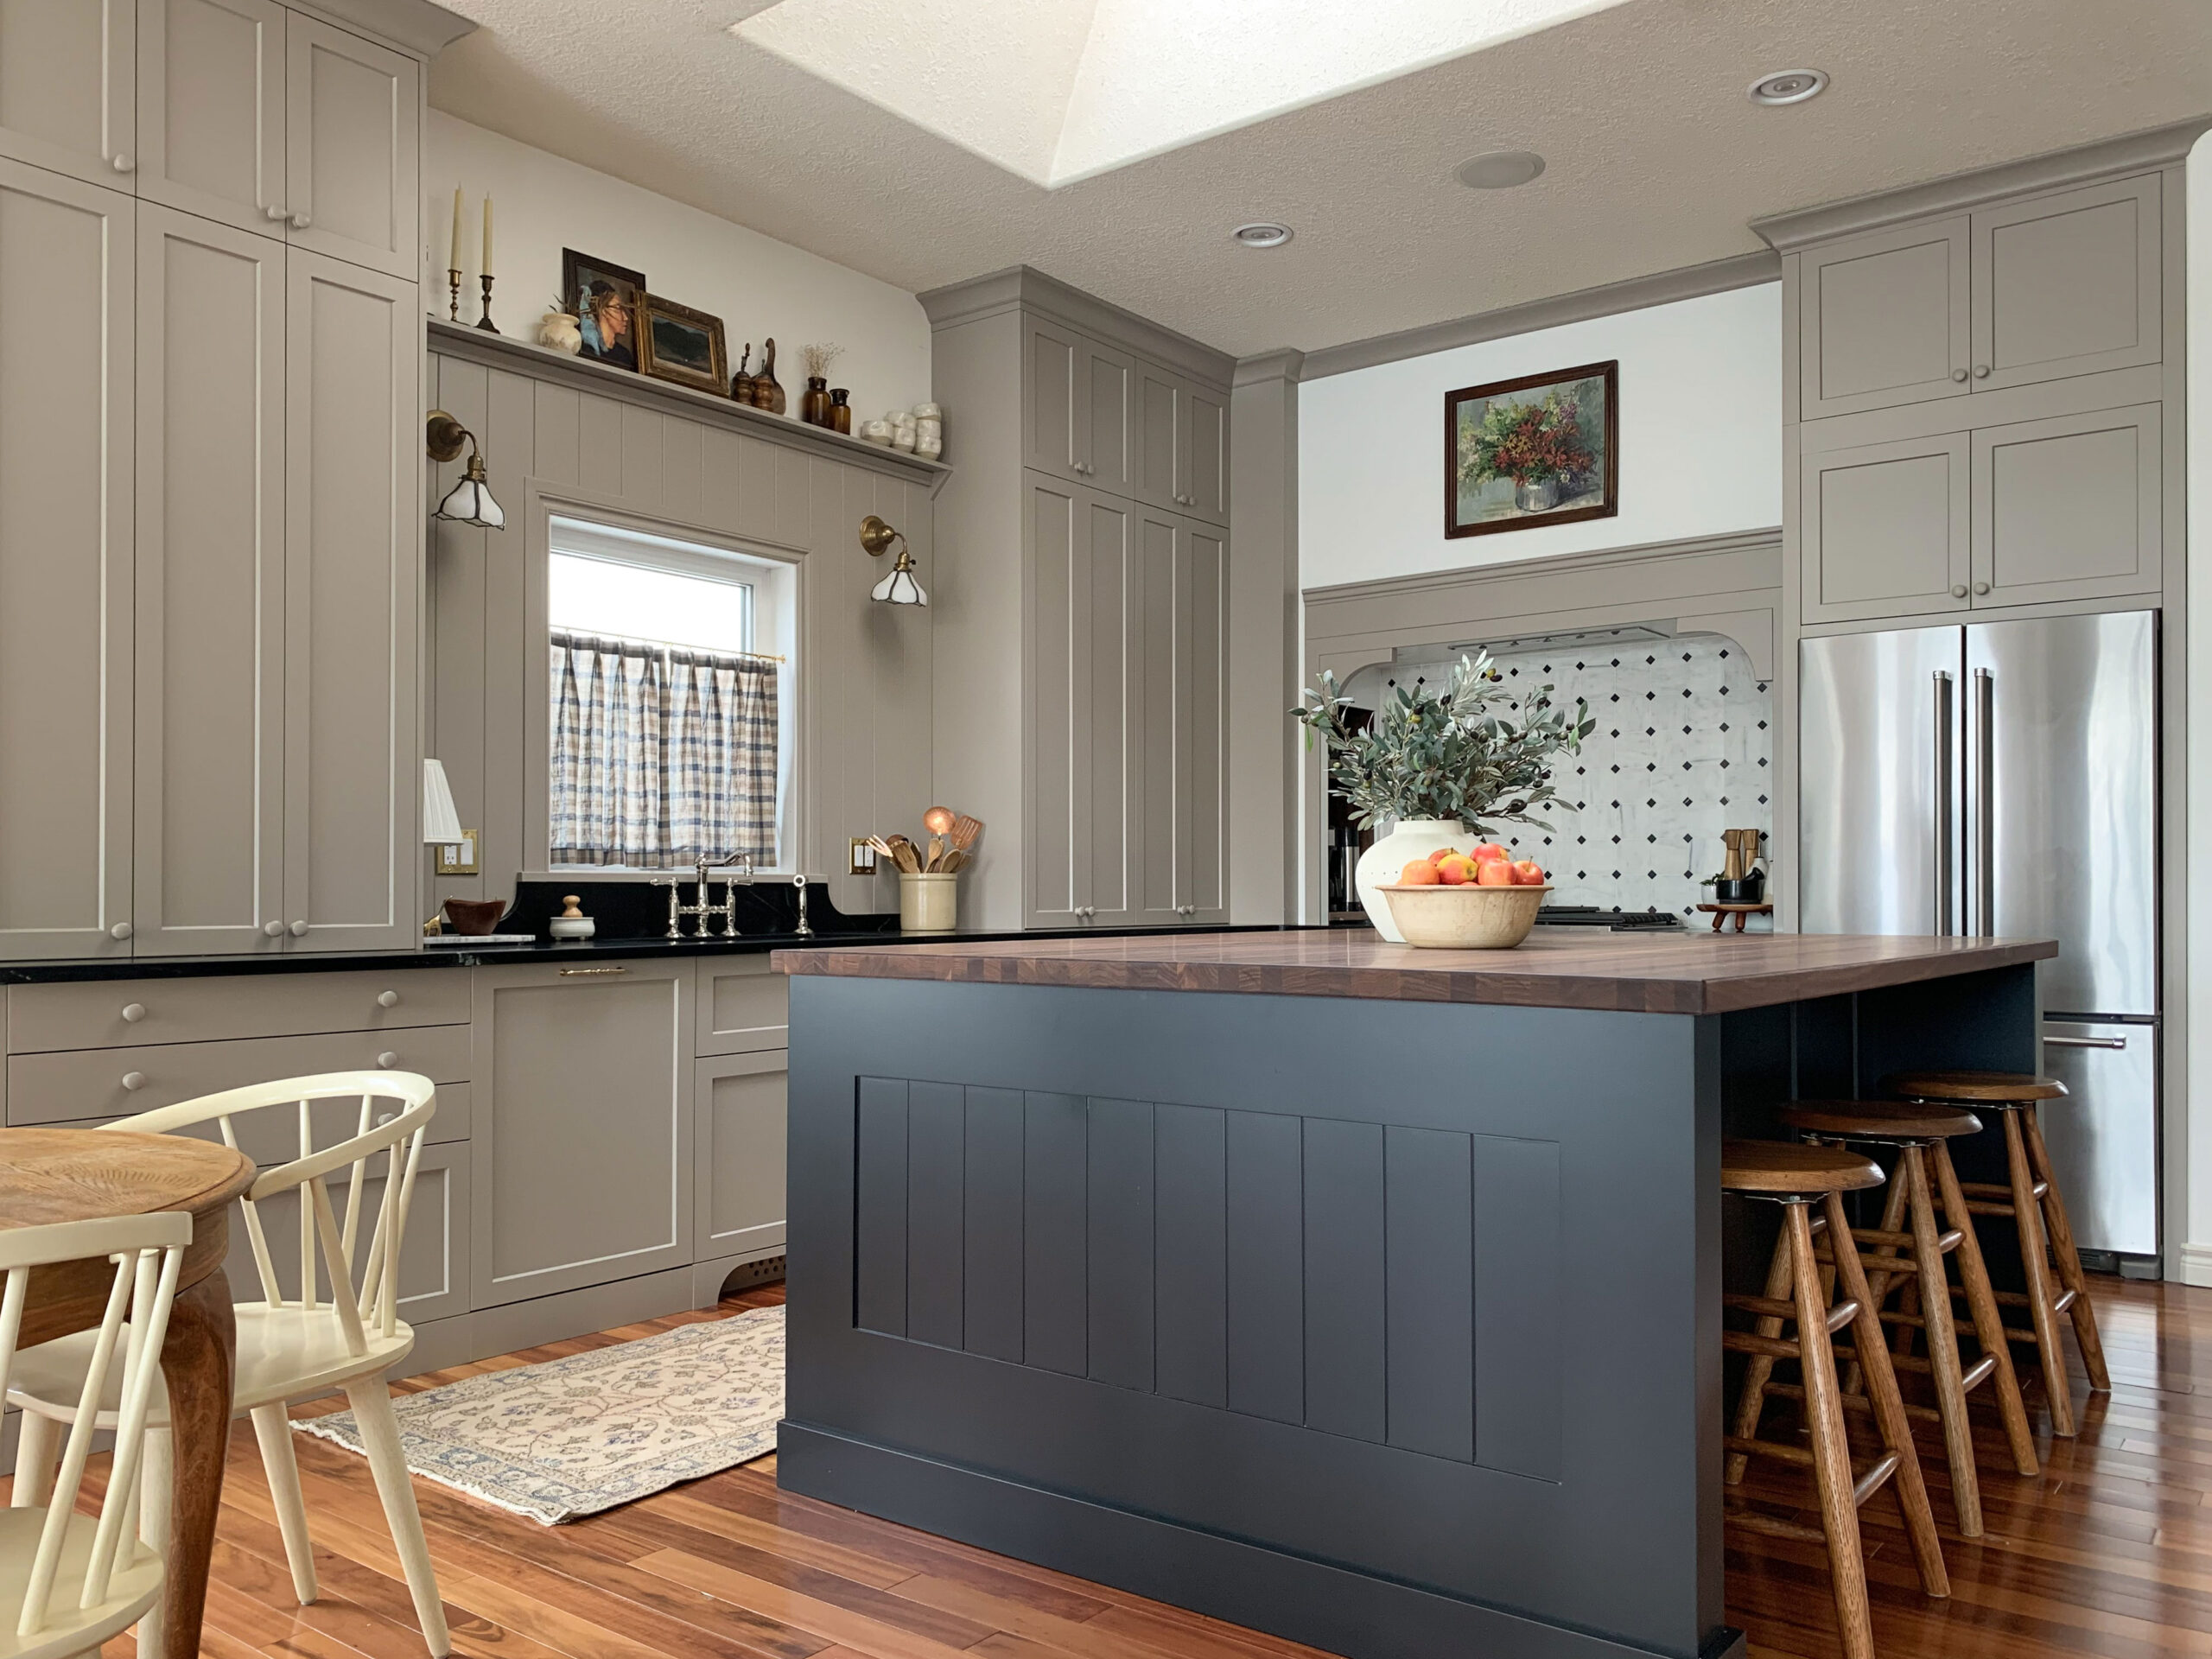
(1542, 449)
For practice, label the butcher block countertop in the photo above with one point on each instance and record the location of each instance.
(1689, 973)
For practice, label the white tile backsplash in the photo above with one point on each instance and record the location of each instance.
(1683, 748)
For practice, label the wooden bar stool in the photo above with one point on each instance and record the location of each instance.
(2032, 1200)
(1908, 1254)
(1797, 1177)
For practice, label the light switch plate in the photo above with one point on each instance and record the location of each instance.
(458, 858)
(862, 860)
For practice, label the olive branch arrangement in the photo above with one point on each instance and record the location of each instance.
(1471, 751)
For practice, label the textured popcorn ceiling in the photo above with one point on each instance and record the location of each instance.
(1656, 160)
(1057, 91)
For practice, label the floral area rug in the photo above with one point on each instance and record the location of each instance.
(573, 1436)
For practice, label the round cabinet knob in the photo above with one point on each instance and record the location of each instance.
(1959, 590)
(387, 999)
(274, 213)
(1959, 375)
(1981, 587)
(1982, 371)
(274, 929)
(124, 163)
(299, 221)
(387, 1060)
(134, 1080)
(299, 930)
(120, 930)
(134, 1012)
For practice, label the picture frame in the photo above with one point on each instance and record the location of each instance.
(682, 346)
(1536, 450)
(605, 298)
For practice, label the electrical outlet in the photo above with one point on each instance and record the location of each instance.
(458, 858)
(863, 861)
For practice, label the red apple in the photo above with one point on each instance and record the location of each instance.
(1489, 849)
(1440, 855)
(1527, 873)
(1419, 873)
(1494, 873)
(1455, 870)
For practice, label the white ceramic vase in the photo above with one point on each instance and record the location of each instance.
(1409, 839)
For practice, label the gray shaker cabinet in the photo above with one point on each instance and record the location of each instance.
(66, 526)
(584, 1130)
(1184, 445)
(740, 1135)
(1180, 819)
(2070, 508)
(211, 98)
(1081, 412)
(1883, 528)
(2066, 283)
(352, 114)
(1883, 319)
(66, 71)
(207, 851)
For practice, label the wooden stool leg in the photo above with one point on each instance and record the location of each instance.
(1943, 1343)
(1758, 1369)
(1879, 1278)
(1824, 1418)
(1988, 1321)
(2069, 1258)
(1889, 1410)
(2036, 1257)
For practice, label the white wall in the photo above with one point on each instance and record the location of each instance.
(1700, 440)
(758, 286)
(2195, 1256)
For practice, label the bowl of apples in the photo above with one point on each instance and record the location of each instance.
(1482, 900)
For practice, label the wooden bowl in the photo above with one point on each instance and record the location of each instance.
(1465, 918)
(474, 917)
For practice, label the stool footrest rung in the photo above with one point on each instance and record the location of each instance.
(1773, 1308)
(1857, 1402)
(1775, 1526)
(1871, 1483)
(1994, 1190)
(1976, 1374)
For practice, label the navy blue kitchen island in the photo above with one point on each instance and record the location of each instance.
(1364, 1295)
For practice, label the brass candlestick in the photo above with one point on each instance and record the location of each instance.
(485, 322)
(452, 307)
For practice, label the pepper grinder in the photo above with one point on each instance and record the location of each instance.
(803, 931)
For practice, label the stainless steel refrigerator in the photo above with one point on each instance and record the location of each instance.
(2001, 778)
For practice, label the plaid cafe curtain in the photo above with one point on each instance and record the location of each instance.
(660, 756)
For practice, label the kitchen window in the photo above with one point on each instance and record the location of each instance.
(669, 721)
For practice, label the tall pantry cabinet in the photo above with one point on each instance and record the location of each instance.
(1080, 593)
(210, 558)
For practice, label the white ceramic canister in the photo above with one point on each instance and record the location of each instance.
(1409, 839)
(928, 904)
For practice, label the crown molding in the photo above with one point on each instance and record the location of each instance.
(1025, 288)
(1285, 365)
(1644, 556)
(1635, 294)
(2083, 164)
(421, 26)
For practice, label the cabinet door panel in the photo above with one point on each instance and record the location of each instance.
(1059, 838)
(1883, 529)
(65, 532)
(740, 1136)
(1883, 319)
(2068, 284)
(351, 113)
(1107, 384)
(583, 1131)
(353, 486)
(1109, 543)
(1163, 746)
(2068, 508)
(1054, 440)
(1158, 445)
(68, 70)
(744, 1007)
(1202, 654)
(1203, 446)
(210, 81)
(209, 759)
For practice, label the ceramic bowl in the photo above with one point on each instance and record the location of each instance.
(472, 919)
(1466, 917)
(571, 927)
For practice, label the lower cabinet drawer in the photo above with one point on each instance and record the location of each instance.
(744, 1007)
(117, 1083)
(218, 1008)
(740, 1136)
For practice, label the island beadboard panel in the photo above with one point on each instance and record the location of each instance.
(862, 676)
(1683, 749)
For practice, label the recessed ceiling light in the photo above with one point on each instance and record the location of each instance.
(1261, 236)
(1788, 87)
(1500, 169)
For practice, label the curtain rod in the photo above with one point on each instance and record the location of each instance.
(675, 644)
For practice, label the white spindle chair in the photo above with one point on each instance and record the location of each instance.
(69, 1581)
(289, 1349)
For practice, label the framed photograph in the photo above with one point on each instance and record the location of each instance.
(604, 295)
(1542, 449)
(676, 343)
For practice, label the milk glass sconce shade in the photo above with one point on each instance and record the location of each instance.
(468, 502)
(441, 820)
(899, 588)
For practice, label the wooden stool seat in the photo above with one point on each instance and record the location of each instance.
(1770, 1168)
(1800, 1177)
(1884, 1121)
(2032, 1201)
(1997, 1089)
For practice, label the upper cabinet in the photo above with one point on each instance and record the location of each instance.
(1184, 457)
(2062, 283)
(1082, 415)
(352, 115)
(66, 69)
(211, 94)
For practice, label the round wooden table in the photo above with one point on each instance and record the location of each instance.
(49, 1175)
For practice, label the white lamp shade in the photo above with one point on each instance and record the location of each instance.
(899, 588)
(441, 821)
(470, 502)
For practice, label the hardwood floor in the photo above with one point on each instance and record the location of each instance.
(2107, 1553)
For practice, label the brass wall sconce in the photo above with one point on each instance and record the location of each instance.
(899, 588)
(468, 502)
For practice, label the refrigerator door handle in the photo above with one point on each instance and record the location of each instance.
(2085, 1042)
(1942, 799)
(1985, 805)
